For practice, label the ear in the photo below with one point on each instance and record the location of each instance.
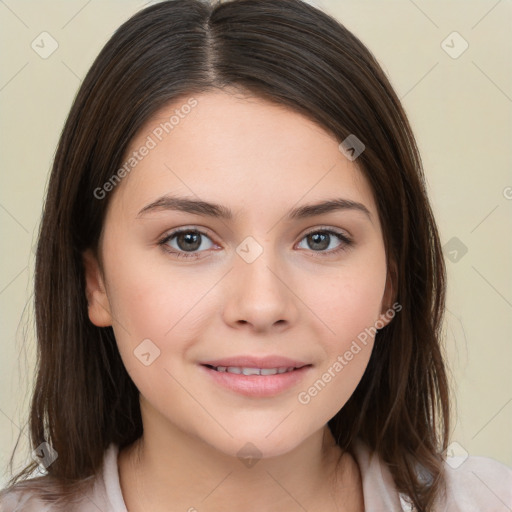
(97, 300)
(388, 300)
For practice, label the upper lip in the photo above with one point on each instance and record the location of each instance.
(256, 362)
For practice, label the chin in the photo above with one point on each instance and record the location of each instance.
(257, 443)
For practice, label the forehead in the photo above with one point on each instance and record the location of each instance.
(239, 150)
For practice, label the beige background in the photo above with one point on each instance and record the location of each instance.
(461, 112)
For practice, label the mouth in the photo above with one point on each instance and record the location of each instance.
(256, 378)
(245, 370)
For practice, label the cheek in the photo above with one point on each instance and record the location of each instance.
(148, 297)
(151, 301)
(348, 301)
(151, 310)
(349, 308)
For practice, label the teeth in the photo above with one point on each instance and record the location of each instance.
(253, 371)
(268, 371)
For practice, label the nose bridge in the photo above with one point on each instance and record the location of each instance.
(256, 266)
(257, 291)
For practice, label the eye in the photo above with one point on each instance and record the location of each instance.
(187, 241)
(320, 240)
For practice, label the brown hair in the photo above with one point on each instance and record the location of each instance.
(289, 53)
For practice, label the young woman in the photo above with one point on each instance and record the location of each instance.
(239, 281)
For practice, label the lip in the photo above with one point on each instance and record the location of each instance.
(257, 386)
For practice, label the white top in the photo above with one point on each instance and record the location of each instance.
(476, 484)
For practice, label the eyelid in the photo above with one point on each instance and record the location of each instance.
(332, 229)
(192, 227)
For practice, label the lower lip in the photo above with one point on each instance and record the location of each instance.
(257, 385)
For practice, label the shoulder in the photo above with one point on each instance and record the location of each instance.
(24, 497)
(477, 483)
(473, 484)
(44, 494)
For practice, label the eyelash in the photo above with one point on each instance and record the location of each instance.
(346, 242)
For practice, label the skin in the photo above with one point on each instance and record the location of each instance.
(295, 300)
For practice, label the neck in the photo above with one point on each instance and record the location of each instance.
(169, 466)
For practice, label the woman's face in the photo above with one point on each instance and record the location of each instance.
(262, 282)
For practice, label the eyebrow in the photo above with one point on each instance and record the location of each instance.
(214, 210)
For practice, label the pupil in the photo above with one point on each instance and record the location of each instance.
(193, 238)
(320, 238)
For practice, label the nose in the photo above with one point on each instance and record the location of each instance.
(259, 294)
